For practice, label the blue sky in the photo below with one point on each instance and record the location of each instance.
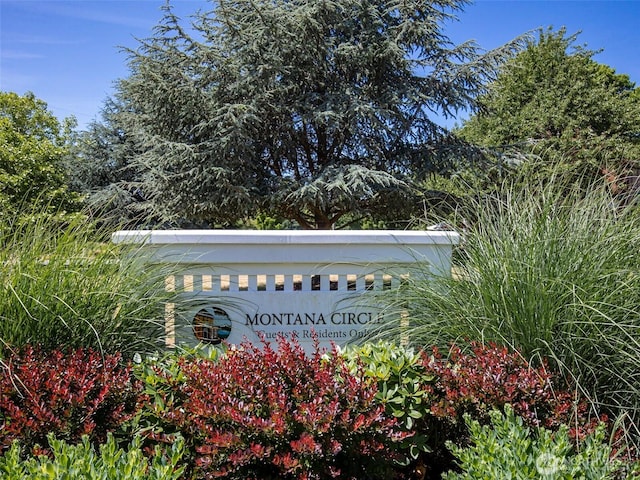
(68, 52)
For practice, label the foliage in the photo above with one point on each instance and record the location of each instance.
(263, 221)
(430, 395)
(309, 111)
(552, 272)
(374, 411)
(33, 145)
(634, 471)
(67, 395)
(72, 462)
(509, 449)
(263, 413)
(99, 167)
(403, 388)
(161, 376)
(65, 287)
(490, 377)
(555, 103)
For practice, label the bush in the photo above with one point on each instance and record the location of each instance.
(375, 411)
(552, 272)
(68, 395)
(65, 286)
(509, 449)
(81, 461)
(403, 388)
(490, 377)
(431, 394)
(259, 412)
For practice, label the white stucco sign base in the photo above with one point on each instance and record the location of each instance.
(240, 285)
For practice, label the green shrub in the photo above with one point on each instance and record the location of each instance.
(74, 462)
(67, 286)
(552, 272)
(509, 449)
(403, 384)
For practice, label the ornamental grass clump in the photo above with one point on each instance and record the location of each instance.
(65, 286)
(553, 271)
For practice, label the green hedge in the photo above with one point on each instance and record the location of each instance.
(75, 462)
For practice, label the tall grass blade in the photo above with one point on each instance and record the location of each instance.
(553, 271)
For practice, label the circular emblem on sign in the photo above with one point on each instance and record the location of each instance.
(211, 325)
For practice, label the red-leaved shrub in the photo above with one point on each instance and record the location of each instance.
(70, 395)
(492, 376)
(265, 413)
(486, 378)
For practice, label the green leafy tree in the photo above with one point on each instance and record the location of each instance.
(317, 111)
(33, 146)
(556, 106)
